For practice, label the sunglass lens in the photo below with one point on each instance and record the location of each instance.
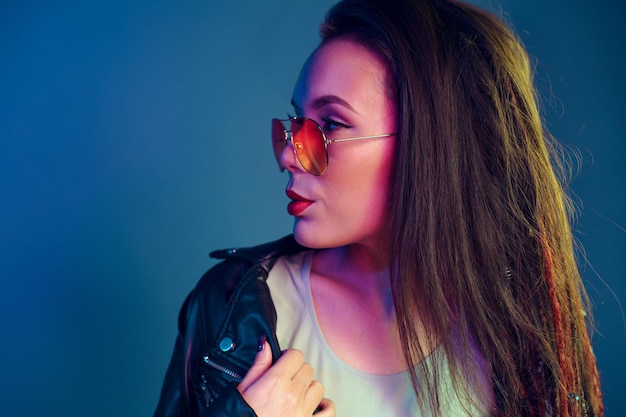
(278, 140)
(309, 146)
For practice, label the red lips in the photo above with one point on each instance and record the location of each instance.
(298, 203)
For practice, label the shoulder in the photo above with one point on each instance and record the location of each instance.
(236, 262)
(238, 267)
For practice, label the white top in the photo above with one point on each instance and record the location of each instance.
(354, 392)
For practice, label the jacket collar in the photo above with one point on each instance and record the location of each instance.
(265, 254)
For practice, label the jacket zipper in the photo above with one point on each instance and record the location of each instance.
(227, 371)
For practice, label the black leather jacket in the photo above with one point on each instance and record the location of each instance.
(220, 325)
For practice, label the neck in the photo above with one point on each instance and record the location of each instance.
(362, 268)
(368, 259)
(352, 297)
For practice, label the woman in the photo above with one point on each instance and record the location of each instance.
(431, 270)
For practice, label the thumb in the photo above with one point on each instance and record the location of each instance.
(262, 363)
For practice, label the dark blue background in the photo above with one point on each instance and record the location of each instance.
(134, 140)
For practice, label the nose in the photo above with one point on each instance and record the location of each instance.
(288, 158)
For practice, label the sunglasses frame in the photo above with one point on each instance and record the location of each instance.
(289, 137)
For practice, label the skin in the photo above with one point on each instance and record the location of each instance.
(285, 389)
(342, 87)
(349, 276)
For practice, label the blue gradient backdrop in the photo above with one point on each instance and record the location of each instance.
(134, 140)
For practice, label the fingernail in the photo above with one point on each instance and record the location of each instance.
(261, 343)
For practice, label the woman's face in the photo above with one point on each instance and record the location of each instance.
(343, 88)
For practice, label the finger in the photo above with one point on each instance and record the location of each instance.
(326, 408)
(288, 364)
(314, 395)
(262, 363)
(304, 375)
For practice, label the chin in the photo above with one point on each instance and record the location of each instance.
(308, 236)
(305, 239)
(314, 239)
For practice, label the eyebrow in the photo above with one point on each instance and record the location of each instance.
(325, 100)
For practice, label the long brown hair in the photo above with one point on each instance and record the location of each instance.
(481, 244)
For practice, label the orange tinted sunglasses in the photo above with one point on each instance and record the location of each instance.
(310, 144)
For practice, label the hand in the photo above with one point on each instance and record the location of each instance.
(285, 389)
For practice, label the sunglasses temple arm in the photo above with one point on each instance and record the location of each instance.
(360, 138)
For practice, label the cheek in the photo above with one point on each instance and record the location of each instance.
(381, 178)
(379, 166)
(363, 180)
(365, 160)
